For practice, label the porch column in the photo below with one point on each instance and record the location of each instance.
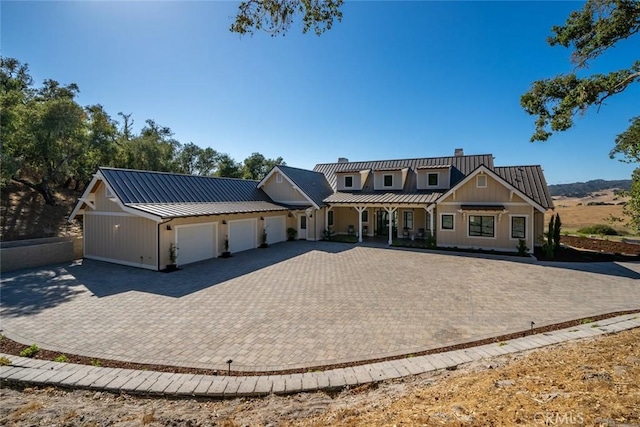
(390, 211)
(360, 210)
(326, 217)
(430, 211)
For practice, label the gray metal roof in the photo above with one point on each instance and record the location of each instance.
(383, 198)
(529, 180)
(460, 166)
(134, 186)
(313, 184)
(176, 210)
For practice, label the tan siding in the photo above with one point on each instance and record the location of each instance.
(104, 204)
(539, 228)
(283, 192)
(378, 180)
(343, 218)
(495, 192)
(128, 239)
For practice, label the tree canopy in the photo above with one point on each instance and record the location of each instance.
(275, 17)
(49, 140)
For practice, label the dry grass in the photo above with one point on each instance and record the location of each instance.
(26, 409)
(586, 383)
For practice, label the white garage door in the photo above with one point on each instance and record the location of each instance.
(242, 235)
(196, 242)
(276, 228)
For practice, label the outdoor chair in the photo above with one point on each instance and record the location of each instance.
(405, 233)
(420, 233)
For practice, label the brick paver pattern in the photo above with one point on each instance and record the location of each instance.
(300, 304)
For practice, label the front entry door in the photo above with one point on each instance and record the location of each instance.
(382, 223)
(302, 227)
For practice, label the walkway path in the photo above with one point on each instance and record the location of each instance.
(43, 373)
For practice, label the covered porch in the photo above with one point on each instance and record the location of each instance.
(382, 221)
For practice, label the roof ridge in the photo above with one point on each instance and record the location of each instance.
(175, 173)
(406, 159)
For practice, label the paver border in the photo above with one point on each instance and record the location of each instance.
(23, 371)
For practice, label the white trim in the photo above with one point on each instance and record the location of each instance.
(87, 192)
(106, 213)
(498, 178)
(526, 226)
(454, 221)
(413, 220)
(495, 226)
(216, 239)
(437, 174)
(478, 181)
(139, 212)
(290, 181)
(383, 179)
(127, 263)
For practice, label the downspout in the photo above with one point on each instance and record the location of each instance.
(158, 242)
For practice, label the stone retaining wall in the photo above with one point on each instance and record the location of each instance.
(31, 253)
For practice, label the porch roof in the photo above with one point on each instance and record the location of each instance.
(383, 198)
(178, 210)
(482, 207)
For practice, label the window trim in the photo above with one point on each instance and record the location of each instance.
(453, 222)
(526, 223)
(365, 212)
(279, 179)
(384, 179)
(404, 219)
(481, 237)
(478, 181)
(437, 175)
(344, 182)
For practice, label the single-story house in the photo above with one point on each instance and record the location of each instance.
(133, 217)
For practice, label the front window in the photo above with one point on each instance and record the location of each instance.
(518, 227)
(365, 216)
(388, 180)
(408, 219)
(432, 179)
(330, 218)
(348, 182)
(446, 222)
(481, 226)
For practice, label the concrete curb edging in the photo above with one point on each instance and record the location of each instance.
(25, 371)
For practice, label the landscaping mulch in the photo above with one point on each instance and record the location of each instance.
(8, 346)
(586, 249)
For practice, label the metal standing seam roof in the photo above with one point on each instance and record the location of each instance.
(460, 166)
(313, 184)
(383, 198)
(529, 180)
(176, 210)
(133, 186)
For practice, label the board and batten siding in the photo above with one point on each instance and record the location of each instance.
(283, 192)
(121, 238)
(495, 193)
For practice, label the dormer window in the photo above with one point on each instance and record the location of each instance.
(348, 182)
(387, 181)
(432, 179)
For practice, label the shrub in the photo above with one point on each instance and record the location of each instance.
(30, 351)
(4, 361)
(61, 358)
(523, 249)
(557, 228)
(95, 363)
(601, 229)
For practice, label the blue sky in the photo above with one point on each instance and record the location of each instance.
(393, 80)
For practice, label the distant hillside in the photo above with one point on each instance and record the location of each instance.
(582, 189)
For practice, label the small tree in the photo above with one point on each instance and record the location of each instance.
(173, 255)
(548, 246)
(557, 226)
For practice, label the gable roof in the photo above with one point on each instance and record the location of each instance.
(313, 185)
(460, 166)
(529, 180)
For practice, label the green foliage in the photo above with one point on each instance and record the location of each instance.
(173, 254)
(557, 232)
(227, 167)
(4, 361)
(264, 237)
(600, 229)
(61, 358)
(598, 26)
(30, 351)
(96, 363)
(291, 233)
(628, 143)
(328, 233)
(430, 241)
(632, 207)
(523, 249)
(342, 238)
(276, 16)
(256, 166)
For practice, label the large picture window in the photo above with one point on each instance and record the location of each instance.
(481, 226)
(518, 227)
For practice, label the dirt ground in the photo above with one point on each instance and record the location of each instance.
(603, 245)
(588, 382)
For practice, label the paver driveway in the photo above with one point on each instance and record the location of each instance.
(300, 304)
